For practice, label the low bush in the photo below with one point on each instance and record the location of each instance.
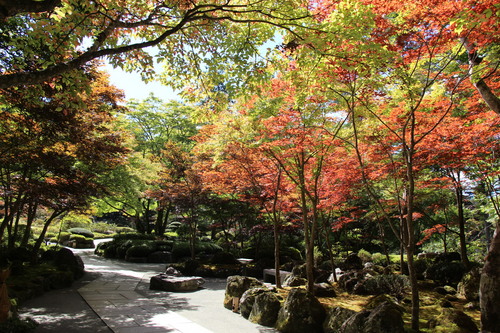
(122, 230)
(78, 238)
(18, 325)
(365, 256)
(63, 237)
(81, 231)
(142, 250)
(133, 236)
(182, 249)
(379, 259)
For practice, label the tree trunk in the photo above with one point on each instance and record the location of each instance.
(38, 243)
(277, 254)
(489, 289)
(484, 90)
(461, 225)
(159, 222)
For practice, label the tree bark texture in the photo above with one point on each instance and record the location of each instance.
(489, 289)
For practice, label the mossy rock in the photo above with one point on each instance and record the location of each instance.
(452, 321)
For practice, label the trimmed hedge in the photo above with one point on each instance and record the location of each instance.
(81, 231)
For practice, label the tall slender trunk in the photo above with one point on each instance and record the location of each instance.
(308, 235)
(461, 224)
(276, 230)
(38, 243)
(30, 218)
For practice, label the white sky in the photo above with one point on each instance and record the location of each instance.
(134, 87)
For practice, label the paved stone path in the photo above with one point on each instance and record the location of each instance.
(118, 299)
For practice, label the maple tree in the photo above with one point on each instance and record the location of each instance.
(191, 37)
(54, 149)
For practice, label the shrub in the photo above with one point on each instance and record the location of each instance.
(164, 245)
(182, 249)
(379, 259)
(207, 247)
(121, 230)
(365, 256)
(132, 236)
(63, 237)
(291, 252)
(81, 231)
(76, 237)
(110, 251)
(142, 250)
(18, 325)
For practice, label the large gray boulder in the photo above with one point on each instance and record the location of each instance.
(265, 309)
(167, 282)
(248, 299)
(355, 323)
(384, 318)
(335, 318)
(235, 287)
(300, 313)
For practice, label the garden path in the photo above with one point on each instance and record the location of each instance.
(114, 296)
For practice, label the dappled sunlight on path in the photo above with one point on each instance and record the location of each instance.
(115, 296)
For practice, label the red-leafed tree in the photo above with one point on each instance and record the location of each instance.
(54, 149)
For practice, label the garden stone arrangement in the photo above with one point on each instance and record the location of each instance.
(381, 291)
(172, 280)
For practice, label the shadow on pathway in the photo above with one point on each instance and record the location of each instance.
(114, 296)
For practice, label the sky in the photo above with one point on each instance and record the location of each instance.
(134, 87)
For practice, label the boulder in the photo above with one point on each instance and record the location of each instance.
(265, 309)
(393, 284)
(324, 290)
(384, 318)
(235, 287)
(294, 281)
(335, 318)
(377, 300)
(167, 282)
(301, 312)
(445, 290)
(468, 287)
(453, 321)
(446, 273)
(172, 271)
(353, 261)
(387, 317)
(248, 299)
(355, 323)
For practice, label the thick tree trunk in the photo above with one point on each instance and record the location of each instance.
(481, 86)
(488, 96)
(489, 289)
